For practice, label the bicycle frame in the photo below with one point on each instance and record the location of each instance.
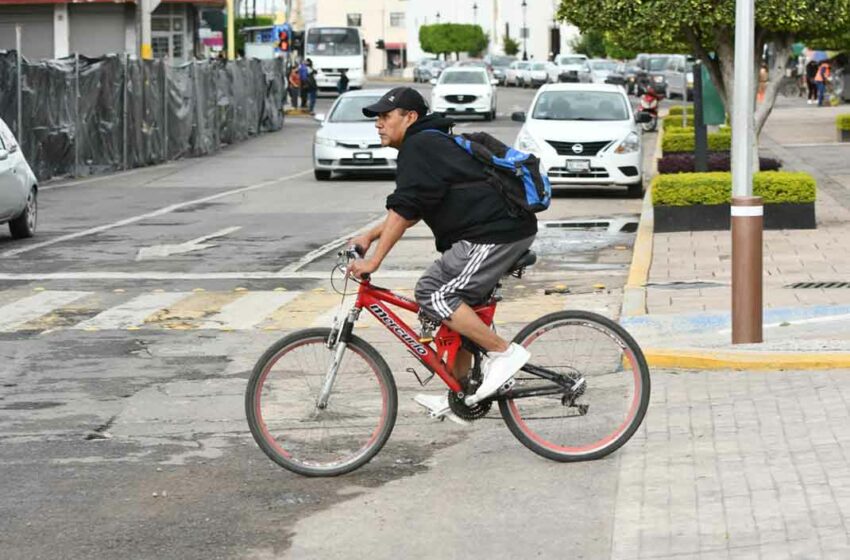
(440, 361)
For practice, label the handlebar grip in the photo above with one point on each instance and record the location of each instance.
(359, 250)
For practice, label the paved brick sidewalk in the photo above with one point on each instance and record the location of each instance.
(738, 465)
(800, 137)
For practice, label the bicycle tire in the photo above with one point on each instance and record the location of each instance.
(637, 407)
(275, 449)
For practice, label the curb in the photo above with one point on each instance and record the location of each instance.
(634, 292)
(719, 359)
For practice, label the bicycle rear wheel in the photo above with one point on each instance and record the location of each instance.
(579, 344)
(280, 404)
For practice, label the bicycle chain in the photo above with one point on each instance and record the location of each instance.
(474, 412)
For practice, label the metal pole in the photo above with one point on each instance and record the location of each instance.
(125, 112)
(77, 114)
(164, 74)
(685, 95)
(231, 31)
(700, 132)
(20, 86)
(747, 210)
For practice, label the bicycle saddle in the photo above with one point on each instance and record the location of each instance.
(526, 259)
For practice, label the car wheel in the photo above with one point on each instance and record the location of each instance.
(25, 224)
(322, 174)
(635, 190)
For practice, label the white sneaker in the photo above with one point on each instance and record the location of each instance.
(438, 407)
(497, 369)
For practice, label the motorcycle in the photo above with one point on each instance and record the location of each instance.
(649, 102)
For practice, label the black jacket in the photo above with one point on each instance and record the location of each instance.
(438, 182)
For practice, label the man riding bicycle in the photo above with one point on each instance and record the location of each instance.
(476, 232)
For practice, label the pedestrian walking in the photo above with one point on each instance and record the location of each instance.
(303, 73)
(294, 86)
(822, 80)
(811, 72)
(311, 87)
(342, 84)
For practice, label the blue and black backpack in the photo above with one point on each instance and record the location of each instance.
(513, 173)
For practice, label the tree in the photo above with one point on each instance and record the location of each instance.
(590, 43)
(444, 38)
(510, 46)
(708, 26)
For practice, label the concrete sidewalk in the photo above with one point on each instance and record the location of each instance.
(682, 280)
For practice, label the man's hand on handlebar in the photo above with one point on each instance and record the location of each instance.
(362, 242)
(362, 267)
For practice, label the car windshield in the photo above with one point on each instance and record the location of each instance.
(567, 60)
(657, 64)
(581, 105)
(501, 61)
(539, 66)
(604, 65)
(330, 41)
(350, 109)
(463, 77)
(523, 65)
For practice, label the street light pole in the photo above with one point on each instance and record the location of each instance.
(524, 32)
(747, 210)
(475, 13)
(438, 17)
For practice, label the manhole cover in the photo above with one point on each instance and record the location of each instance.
(817, 285)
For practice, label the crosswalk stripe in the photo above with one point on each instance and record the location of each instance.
(133, 313)
(249, 310)
(24, 310)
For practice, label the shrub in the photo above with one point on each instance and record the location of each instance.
(673, 123)
(677, 110)
(683, 141)
(684, 162)
(843, 122)
(689, 189)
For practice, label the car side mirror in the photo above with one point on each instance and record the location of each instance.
(433, 81)
(643, 117)
(518, 116)
(3, 154)
(319, 117)
(494, 82)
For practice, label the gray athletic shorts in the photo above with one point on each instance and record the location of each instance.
(466, 273)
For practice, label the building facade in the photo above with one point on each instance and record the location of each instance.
(542, 37)
(55, 29)
(385, 20)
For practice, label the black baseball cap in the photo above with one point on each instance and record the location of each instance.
(398, 98)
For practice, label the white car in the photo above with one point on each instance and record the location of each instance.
(584, 134)
(542, 73)
(348, 141)
(516, 72)
(18, 187)
(573, 68)
(465, 90)
(600, 69)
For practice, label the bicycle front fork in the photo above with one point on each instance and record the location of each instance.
(338, 342)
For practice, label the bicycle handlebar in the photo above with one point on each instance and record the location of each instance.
(354, 252)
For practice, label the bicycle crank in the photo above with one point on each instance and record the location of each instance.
(474, 412)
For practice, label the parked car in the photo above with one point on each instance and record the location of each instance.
(18, 187)
(652, 72)
(500, 67)
(474, 63)
(428, 69)
(625, 75)
(573, 68)
(348, 141)
(600, 68)
(465, 90)
(678, 75)
(543, 73)
(584, 134)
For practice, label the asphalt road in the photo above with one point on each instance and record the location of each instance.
(123, 369)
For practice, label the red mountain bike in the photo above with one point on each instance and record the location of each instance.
(323, 402)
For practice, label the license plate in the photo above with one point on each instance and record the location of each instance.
(577, 165)
(362, 155)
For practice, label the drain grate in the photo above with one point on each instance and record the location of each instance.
(818, 285)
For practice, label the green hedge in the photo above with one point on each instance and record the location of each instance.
(843, 122)
(675, 122)
(677, 110)
(689, 189)
(682, 140)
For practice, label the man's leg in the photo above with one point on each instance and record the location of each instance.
(466, 322)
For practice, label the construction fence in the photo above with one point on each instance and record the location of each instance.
(81, 116)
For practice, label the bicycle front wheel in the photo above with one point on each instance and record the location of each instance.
(293, 431)
(601, 416)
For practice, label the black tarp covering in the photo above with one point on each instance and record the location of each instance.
(170, 112)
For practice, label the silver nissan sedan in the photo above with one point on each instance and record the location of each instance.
(18, 188)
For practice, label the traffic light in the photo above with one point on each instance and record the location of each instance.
(379, 44)
(283, 40)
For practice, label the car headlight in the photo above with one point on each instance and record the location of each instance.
(629, 145)
(321, 141)
(526, 143)
(658, 79)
